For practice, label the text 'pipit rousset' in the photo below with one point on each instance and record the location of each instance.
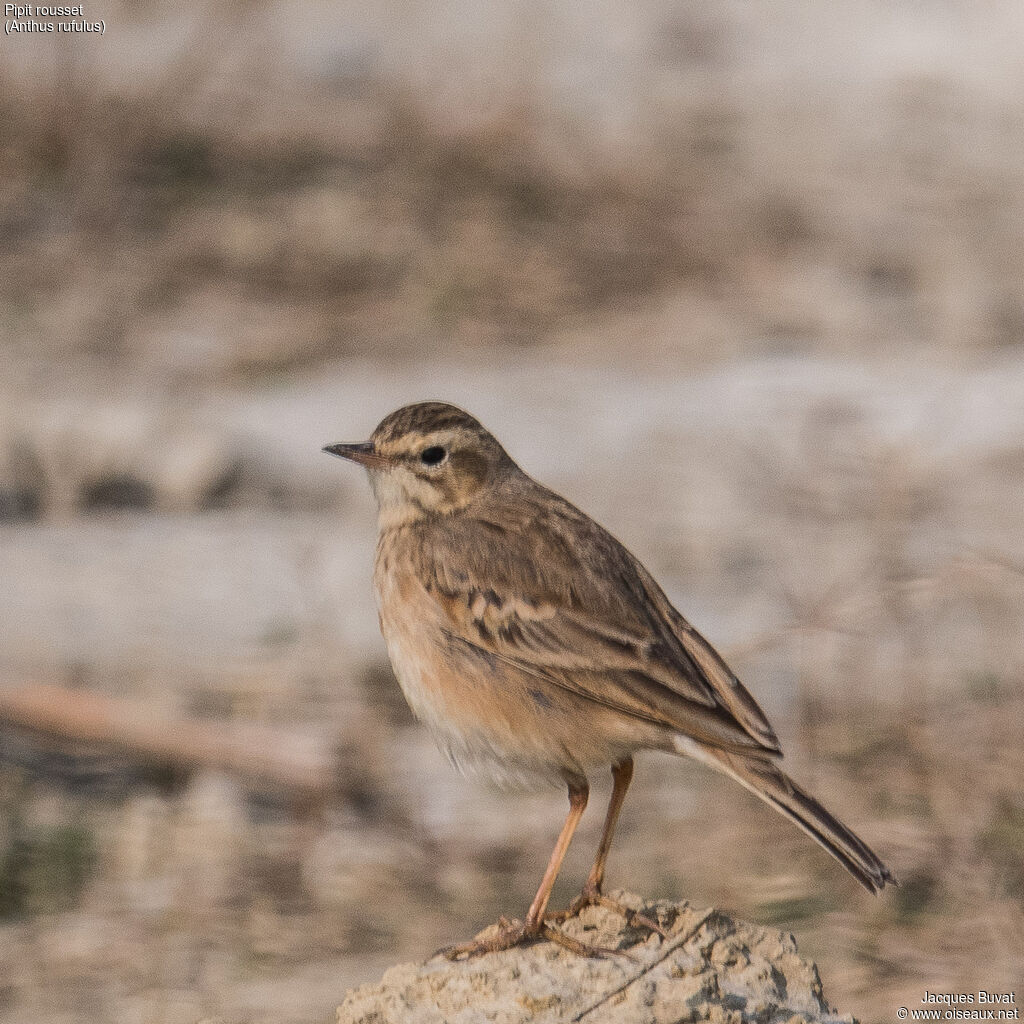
(42, 11)
(532, 643)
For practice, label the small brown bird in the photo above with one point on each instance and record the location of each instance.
(532, 643)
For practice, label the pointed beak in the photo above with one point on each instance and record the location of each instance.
(363, 453)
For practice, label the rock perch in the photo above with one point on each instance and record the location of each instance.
(710, 968)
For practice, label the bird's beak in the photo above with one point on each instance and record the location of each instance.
(364, 453)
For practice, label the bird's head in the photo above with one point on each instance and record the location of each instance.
(427, 459)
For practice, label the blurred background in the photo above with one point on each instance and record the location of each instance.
(744, 281)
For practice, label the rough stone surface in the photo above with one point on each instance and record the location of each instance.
(710, 968)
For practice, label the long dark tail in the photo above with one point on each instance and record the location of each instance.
(766, 780)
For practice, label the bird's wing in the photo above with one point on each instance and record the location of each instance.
(728, 691)
(613, 638)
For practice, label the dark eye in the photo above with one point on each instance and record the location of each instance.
(433, 456)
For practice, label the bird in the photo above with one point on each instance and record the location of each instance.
(534, 645)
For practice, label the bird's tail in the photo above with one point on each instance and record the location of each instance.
(767, 781)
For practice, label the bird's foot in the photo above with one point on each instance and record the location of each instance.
(504, 935)
(508, 934)
(593, 897)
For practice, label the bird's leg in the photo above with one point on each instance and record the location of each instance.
(622, 775)
(511, 933)
(579, 791)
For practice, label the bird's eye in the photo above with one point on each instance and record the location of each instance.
(433, 456)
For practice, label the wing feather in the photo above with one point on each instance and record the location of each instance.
(582, 613)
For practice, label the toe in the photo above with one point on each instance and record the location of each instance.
(557, 936)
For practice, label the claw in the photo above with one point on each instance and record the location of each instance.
(559, 937)
(517, 933)
(592, 898)
(509, 934)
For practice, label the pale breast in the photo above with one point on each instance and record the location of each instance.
(408, 624)
(413, 629)
(472, 716)
(489, 716)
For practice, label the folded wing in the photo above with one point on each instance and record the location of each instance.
(614, 639)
